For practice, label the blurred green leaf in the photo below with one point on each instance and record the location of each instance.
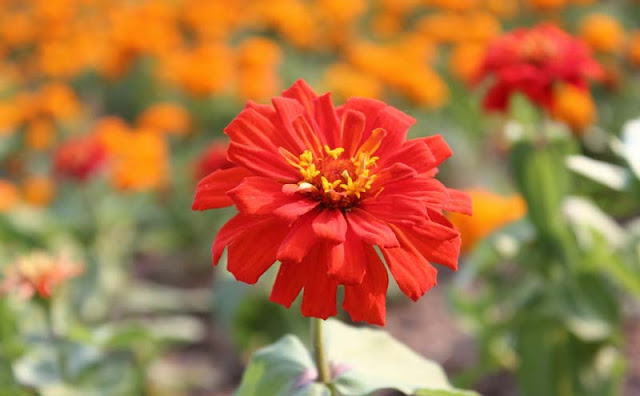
(283, 368)
(372, 360)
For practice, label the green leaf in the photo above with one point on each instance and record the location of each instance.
(372, 360)
(283, 368)
(41, 366)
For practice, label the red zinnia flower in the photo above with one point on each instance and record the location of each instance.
(80, 157)
(531, 61)
(317, 187)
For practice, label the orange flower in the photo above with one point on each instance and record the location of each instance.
(490, 212)
(465, 61)
(9, 196)
(17, 29)
(258, 52)
(258, 60)
(139, 158)
(345, 81)
(9, 118)
(502, 8)
(38, 190)
(547, 5)
(634, 48)
(574, 106)
(40, 134)
(603, 33)
(165, 117)
(58, 101)
(204, 70)
(38, 273)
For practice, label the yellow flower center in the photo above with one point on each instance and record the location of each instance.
(332, 176)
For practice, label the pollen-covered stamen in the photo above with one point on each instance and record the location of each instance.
(336, 181)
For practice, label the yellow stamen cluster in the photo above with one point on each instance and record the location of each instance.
(335, 180)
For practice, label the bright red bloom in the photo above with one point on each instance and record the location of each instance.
(79, 157)
(213, 158)
(532, 61)
(317, 187)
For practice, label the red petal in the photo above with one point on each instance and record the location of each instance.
(369, 107)
(413, 273)
(440, 244)
(284, 137)
(295, 208)
(439, 148)
(254, 251)
(327, 120)
(367, 301)
(370, 229)
(288, 110)
(330, 225)
(211, 192)
(262, 162)
(352, 129)
(308, 136)
(253, 129)
(399, 209)
(319, 298)
(303, 93)
(289, 281)
(396, 123)
(299, 240)
(230, 231)
(414, 153)
(258, 195)
(346, 261)
(458, 201)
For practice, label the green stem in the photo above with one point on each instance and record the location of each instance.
(57, 344)
(320, 355)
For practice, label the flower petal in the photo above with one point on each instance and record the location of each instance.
(412, 272)
(254, 251)
(303, 93)
(319, 298)
(261, 162)
(347, 261)
(296, 207)
(232, 229)
(330, 225)
(371, 230)
(414, 153)
(258, 195)
(327, 120)
(289, 281)
(367, 300)
(439, 148)
(459, 201)
(299, 240)
(398, 209)
(211, 191)
(351, 131)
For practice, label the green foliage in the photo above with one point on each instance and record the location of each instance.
(363, 361)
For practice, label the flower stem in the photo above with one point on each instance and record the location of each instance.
(324, 375)
(59, 347)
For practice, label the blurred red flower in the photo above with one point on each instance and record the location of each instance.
(317, 187)
(531, 61)
(79, 157)
(213, 158)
